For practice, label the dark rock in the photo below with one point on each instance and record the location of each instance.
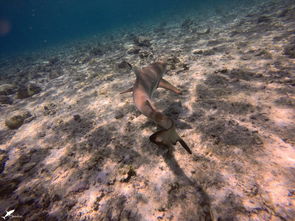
(119, 115)
(6, 89)
(41, 134)
(263, 19)
(17, 119)
(53, 61)
(172, 62)
(259, 117)
(125, 173)
(56, 197)
(276, 75)
(220, 49)
(77, 117)
(22, 92)
(198, 52)
(96, 51)
(98, 199)
(124, 65)
(7, 186)
(208, 52)
(234, 33)
(69, 204)
(133, 50)
(79, 186)
(216, 81)
(242, 44)
(55, 74)
(286, 101)
(42, 68)
(196, 116)
(5, 100)
(202, 30)
(283, 13)
(290, 49)
(85, 59)
(49, 109)
(291, 193)
(241, 74)
(160, 29)
(142, 41)
(187, 23)
(145, 54)
(214, 42)
(27, 91)
(263, 53)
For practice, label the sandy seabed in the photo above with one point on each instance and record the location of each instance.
(83, 153)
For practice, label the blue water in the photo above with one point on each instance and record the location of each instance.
(32, 24)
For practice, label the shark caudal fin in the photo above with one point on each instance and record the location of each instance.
(167, 138)
(185, 146)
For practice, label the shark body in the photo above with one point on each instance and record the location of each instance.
(148, 79)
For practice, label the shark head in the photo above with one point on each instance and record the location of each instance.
(160, 67)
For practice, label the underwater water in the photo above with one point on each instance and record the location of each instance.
(205, 130)
(33, 24)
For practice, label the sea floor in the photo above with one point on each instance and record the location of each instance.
(81, 151)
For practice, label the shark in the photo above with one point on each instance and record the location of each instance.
(148, 79)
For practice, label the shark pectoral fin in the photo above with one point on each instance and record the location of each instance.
(126, 91)
(165, 84)
(185, 146)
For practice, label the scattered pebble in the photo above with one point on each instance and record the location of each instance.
(7, 89)
(15, 120)
(125, 173)
(5, 99)
(27, 91)
(142, 41)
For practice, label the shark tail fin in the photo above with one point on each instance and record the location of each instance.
(167, 137)
(185, 146)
